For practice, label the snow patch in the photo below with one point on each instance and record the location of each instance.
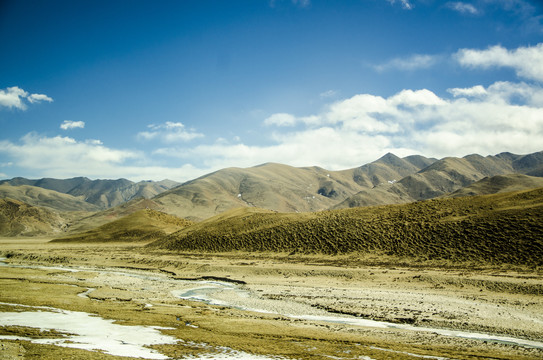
(89, 332)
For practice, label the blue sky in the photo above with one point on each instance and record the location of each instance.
(176, 89)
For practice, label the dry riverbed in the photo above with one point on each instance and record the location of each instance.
(259, 306)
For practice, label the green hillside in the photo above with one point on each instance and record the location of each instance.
(495, 229)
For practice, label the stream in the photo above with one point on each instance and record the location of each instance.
(229, 295)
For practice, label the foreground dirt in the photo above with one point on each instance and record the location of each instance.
(505, 301)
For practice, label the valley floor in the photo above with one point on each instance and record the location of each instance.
(267, 306)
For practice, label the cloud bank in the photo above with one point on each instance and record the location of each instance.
(504, 116)
(65, 157)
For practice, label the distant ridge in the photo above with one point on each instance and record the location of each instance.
(101, 193)
(51, 199)
(445, 176)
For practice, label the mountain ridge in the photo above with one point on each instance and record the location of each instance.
(445, 176)
(279, 187)
(101, 193)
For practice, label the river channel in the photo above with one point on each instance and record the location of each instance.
(88, 331)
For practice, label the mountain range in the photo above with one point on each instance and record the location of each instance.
(102, 194)
(85, 204)
(388, 180)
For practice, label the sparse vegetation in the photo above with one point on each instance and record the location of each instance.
(143, 225)
(497, 229)
(18, 218)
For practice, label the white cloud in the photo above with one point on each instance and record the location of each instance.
(410, 98)
(504, 116)
(486, 120)
(325, 146)
(36, 98)
(93, 142)
(413, 62)
(280, 119)
(328, 94)
(61, 156)
(462, 7)
(526, 61)
(405, 3)
(64, 157)
(475, 91)
(169, 132)
(68, 124)
(356, 114)
(13, 97)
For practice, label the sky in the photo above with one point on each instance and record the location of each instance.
(152, 90)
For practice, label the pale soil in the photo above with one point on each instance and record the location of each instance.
(503, 301)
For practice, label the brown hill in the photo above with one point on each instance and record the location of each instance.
(280, 187)
(499, 184)
(142, 225)
(37, 196)
(495, 229)
(101, 193)
(90, 221)
(445, 176)
(387, 169)
(20, 219)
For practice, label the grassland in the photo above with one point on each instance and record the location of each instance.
(491, 229)
(142, 225)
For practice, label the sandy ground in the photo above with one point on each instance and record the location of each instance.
(275, 305)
